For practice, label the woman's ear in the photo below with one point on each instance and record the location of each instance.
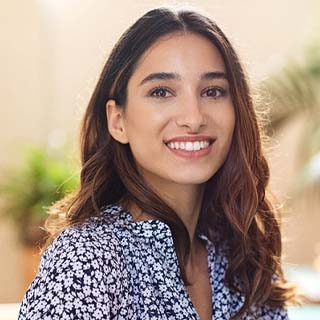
(115, 122)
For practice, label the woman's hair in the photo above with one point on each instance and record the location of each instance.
(235, 211)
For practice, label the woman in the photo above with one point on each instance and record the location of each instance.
(171, 220)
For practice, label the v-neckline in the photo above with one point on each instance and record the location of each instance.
(210, 262)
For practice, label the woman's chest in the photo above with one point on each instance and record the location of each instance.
(201, 296)
(200, 291)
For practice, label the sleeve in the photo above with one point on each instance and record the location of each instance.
(79, 278)
(267, 313)
(236, 300)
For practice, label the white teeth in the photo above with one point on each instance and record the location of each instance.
(189, 146)
(195, 146)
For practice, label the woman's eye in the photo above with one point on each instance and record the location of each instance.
(160, 92)
(212, 92)
(215, 92)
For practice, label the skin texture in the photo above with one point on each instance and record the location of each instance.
(185, 107)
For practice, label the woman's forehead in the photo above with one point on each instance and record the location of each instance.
(181, 54)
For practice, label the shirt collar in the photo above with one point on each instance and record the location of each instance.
(151, 229)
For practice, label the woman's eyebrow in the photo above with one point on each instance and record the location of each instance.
(175, 76)
(213, 75)
(160, 76)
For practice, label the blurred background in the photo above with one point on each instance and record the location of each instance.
(51, 54)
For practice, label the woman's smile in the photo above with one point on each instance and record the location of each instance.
(189, 149)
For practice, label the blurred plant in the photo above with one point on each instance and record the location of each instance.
(295, 91)
(28, 190)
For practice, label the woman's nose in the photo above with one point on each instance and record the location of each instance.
(190, 114)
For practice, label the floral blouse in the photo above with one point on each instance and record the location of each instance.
(112, 267)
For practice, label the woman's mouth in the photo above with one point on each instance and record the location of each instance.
(191, 149)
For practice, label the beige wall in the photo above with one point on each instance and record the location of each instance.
(52, 52)
(21, 93)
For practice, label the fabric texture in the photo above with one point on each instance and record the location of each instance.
(112, 267)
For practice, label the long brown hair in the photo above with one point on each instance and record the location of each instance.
(235, 209)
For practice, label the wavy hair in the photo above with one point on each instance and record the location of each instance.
(235, 208)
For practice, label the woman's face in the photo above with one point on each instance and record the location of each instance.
(179, 93)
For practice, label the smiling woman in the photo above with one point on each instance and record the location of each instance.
(171, 220)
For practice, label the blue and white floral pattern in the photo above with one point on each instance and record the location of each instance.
(115, 268)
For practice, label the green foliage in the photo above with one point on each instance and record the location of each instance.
(28, 190)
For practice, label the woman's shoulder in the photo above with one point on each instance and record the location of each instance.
(81, 271)
(236, 299)
(96, 238)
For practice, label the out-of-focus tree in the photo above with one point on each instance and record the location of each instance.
(294, 91)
